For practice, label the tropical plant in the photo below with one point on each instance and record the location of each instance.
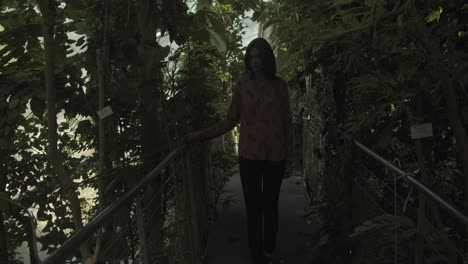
(151, 62)
(376, 68)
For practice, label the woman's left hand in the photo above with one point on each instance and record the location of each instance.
(287, 169)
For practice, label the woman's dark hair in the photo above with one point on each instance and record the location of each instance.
(266, 55)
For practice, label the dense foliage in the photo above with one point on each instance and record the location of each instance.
(164, 68)
(374, 69)
(369, 68)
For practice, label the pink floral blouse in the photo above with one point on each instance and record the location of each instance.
(265, 120)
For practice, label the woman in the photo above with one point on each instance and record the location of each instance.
(260, 102)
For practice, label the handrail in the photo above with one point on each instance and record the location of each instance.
(421, 187)
(444, 204)
(79, 237)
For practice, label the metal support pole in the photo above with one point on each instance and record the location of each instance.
(141, 232)
(395, 214)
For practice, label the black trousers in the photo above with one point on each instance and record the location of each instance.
(261, 183)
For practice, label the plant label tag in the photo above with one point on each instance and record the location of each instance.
(421, 130)
(105, 112)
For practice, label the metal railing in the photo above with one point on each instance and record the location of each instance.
(421, 187)
(401, 206)
(97, 222)
(138, 220)
(379, 190)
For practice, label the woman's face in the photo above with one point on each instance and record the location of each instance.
(255, 61)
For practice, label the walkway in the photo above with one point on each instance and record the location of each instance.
(227, 242)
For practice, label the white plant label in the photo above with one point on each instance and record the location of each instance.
(105, 112)
(421, 130)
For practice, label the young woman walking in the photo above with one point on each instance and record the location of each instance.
(260, 102)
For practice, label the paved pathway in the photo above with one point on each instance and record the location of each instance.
(227, 242)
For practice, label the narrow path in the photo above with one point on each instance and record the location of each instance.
(227, 242)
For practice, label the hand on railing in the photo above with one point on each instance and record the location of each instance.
(192, 137)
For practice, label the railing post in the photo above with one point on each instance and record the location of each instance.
(205, 192)
(180, 174)
(395, 231)
(191, 216)
(210, 181)
(141, 232)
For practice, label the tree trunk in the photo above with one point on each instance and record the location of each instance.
(3, 237)
(3, 183)
(420, 156)
(449, 244)
(105, 127)
(149, 81)
(48, 14)
(30, 229)
(423, 153)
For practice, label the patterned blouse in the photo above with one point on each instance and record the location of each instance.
(265, 120)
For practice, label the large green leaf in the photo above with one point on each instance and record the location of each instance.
(217, 40)
(13, 103)
(201, 35)
(204, 4)
(383, 221)
(338, 3)
(38, 106)
(7, 206)
(3, 144)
